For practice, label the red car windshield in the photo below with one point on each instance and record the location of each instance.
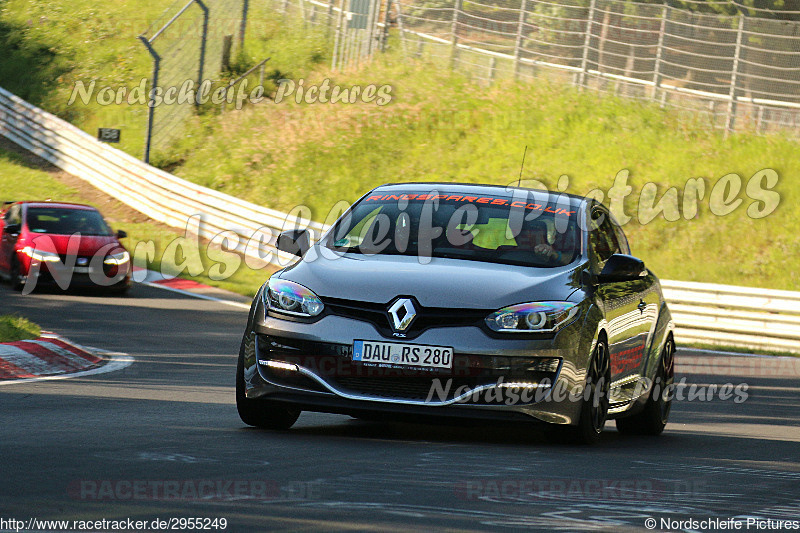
(63, 221)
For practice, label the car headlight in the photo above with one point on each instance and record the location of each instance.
(534, 317)
(40, 255)
(292, 298)
(119, 258)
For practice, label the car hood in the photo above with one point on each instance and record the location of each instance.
(60, 244)
(440, 283)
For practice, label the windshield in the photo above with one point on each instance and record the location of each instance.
(61, 221)
(477, 228)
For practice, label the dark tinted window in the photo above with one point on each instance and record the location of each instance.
(63, 221)
(603, 238)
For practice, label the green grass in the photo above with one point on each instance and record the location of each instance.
(442, 127)
(22, 181)
(15, 328)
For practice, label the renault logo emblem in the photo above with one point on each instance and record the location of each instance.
(402, 313)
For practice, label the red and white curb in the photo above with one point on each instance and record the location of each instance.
(53, 357)
(187, 287)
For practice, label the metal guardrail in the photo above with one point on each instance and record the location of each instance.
(158, 194)
(728, 315)
(703, 313)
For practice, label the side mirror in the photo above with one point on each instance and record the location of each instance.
(13, 229)
(121, 234)
(295, 242)
(621, 267)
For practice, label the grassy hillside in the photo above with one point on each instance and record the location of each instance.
(439, 126)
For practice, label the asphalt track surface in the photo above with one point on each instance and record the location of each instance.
(113, 446)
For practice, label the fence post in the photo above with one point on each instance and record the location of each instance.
(202, 50)
(227, 44)
(518, 43)
(385, 36)
(659, 51)
(329, 20)
(372, 20)
(151, 112)
(400, 28)
(492, 69)
(587, 41)
(734, 75)
(454, 33)
(338, 39)
(243, 25)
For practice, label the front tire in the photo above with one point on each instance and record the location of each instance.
(260, 413)
(15, 276)
(594, 410)
(652, 419)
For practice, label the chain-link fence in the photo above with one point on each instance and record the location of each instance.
(742, 71)
(354, 28)
(187, 44)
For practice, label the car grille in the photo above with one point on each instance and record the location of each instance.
(427, 317)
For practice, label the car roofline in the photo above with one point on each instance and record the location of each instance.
(490, 185)
(66, 205)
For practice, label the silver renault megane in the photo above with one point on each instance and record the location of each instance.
(431, 300)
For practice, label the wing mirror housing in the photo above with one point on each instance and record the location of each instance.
(622, 267)
(296, 242)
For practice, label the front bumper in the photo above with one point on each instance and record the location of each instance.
(310, 365)
(112, 277)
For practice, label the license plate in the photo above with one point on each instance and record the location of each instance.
(396, 353)
(82, 270)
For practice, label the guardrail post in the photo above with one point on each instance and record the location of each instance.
(492, 68)
(659, 51)
(586, 42)
(454, 33)
(518, 42)
(734, 75)
(151, 112)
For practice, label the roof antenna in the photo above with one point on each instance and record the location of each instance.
(519, 181)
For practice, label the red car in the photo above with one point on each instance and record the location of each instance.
(62, 244)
